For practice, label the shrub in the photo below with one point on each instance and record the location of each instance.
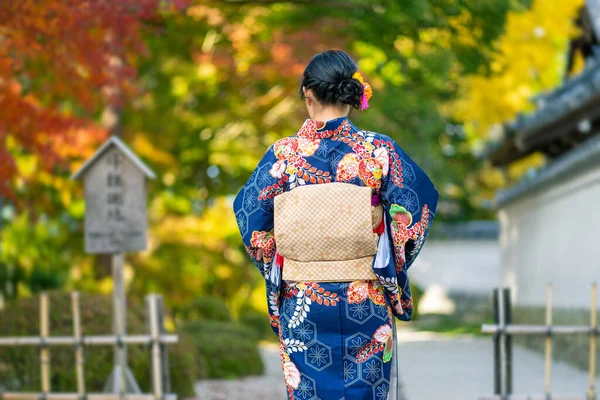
(186, 366)
(417, 293)
(205, 308)
(20, 370)
(258, 322)
(228, 350)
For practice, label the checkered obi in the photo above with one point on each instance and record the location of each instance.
(328, 232)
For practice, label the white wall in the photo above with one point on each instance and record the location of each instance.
(467, 266)
(553, 235)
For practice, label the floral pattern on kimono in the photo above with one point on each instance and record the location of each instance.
(312, 319)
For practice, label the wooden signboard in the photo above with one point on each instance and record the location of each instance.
(116, 222)
(115, 199)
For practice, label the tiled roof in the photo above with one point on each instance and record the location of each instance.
(583, 156)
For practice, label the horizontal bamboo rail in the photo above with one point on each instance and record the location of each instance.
(539, 396)
(99, 340)
(540, 330)
(76, 396)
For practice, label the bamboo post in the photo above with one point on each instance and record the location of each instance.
(164, 355)
(45, 350)
(496, 339)
(153, 319)
(502, 331)
(548, 352)
(593, 337)
(507, 313)
(79, 344)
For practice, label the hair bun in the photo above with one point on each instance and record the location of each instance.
(349, 91)
(329, 76)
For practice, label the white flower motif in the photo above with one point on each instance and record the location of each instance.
(250, 199)
(409, 201)
(349, 371)
(304, 389)
(241, 223)
(263, 179)
(293, 346)
(382, 392)
(304, 332)
(318, 356)
(356, 345)
(382, 155)
(360, 310)
(372, 370)
(291, 374)
(383, 333)
(278, 169)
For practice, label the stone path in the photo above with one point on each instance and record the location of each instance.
(267, 387)
(437, 367)
(432, 367)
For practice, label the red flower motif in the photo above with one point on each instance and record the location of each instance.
(357, 292)
(265, 241)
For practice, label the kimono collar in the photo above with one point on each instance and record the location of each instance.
(312, 129)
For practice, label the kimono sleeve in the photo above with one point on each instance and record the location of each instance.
(410, 200)
(253, 207)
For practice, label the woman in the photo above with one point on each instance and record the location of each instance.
(333, 315)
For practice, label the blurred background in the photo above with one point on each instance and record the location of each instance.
(495, 99)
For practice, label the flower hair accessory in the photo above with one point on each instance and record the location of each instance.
(367, 92)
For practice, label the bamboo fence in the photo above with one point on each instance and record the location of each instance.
(503, 330)
(156, 339)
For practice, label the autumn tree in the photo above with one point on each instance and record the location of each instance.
(528, 58)
(61, 63)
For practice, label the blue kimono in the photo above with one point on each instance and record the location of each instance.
(336, 337)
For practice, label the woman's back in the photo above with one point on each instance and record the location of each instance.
(336, 337)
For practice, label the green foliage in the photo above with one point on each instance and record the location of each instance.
(417, 293)
(451, 324)
(258, 322)
(229, 350)
(205, 308)
(20, 365)
(186, 366)
(32, 256)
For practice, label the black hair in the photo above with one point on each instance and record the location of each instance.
(329, 76)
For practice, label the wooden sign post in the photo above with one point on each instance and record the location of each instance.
(115, 222)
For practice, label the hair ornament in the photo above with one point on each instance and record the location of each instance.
(367, 91)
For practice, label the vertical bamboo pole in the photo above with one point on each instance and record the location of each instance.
(152, 304)
(507, 314)
(503, 351)
(593, 327)
(45, 350)
(79, 346)
(164, 355)
(548, 353)
(497, 345)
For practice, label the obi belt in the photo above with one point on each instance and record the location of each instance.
(328, 232)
